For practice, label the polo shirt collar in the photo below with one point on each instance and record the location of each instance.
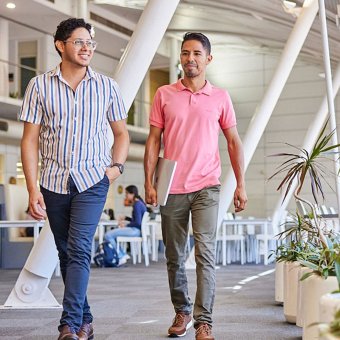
(206, 89)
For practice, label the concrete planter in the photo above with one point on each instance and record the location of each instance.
(290, 278)
(299, 305)
(279, 282)
(329, 304)
(313, 288)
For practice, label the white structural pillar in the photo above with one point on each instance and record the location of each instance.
(144, 42)
(174, 53)
(82, 10)
(330, 97)
(31, 289)
(4, 55)
(309, 140)
(261, 117)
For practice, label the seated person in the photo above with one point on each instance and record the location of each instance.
(133, 228)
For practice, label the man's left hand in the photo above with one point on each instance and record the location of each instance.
(240, 199)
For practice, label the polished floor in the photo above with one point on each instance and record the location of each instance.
(132, 302)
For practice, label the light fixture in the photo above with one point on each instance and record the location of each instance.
(139, 4)
(291, 8)
(289, 4)
(337, 16)
(10, 5)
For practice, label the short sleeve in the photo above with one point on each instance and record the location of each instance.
(227, 118)
(116, 109)
(31, 109)
(156, 114)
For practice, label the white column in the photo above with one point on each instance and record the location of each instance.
(265, 109)
(173, 60)
(330, 97)
(144, 42)
(4, 56)
(82, 11)
(310, 139)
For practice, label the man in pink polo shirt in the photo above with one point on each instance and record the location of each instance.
(190, 114)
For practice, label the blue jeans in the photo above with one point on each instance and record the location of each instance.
(111, 236)
(74, 218)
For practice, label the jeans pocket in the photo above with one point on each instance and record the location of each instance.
(106, 179)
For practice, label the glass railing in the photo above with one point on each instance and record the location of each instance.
(19, 76)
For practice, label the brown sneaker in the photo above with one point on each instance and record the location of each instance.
(86, 332)
(182, 322)
(203, 332)
(67, 333)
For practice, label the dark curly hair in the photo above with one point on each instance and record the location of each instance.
(199, 37)
(66, 27)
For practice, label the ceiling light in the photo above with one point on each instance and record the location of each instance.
(291, 8)
(289, 4)
(123, 3)
(10, 5)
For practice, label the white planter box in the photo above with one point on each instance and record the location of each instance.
(279, 282)
(299, 305)
(329, 304)
(290, 276)
(313, 288)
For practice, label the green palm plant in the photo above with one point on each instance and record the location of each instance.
(302, 164)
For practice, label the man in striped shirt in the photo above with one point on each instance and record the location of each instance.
(66, 113)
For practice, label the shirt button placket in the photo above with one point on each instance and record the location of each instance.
(74, 132)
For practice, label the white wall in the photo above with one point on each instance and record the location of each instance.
(246, 77)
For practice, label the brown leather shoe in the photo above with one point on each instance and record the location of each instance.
(181, 323)
(67, 333)
(203, 332)
(86, 332)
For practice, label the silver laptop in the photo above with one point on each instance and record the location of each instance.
(164, 174)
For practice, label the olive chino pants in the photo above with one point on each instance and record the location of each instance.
(203, 205)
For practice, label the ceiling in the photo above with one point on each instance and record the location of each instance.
(260, 24)
(252, 24)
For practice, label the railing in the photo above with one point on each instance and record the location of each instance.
(19, 76)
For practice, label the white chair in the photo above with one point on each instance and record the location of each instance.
(138, 242)
(233, 241)
(301, 208)
(332, 210)
(324, 210)
(250, 242)
(156, 236)
(267, 240)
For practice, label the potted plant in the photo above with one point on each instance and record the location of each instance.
(297, 167)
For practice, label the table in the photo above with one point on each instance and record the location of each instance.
(263, 222)
(101, 232)
(24, 223)
(101, 228)
(154, 227)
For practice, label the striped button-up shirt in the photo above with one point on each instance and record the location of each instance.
(73, 134)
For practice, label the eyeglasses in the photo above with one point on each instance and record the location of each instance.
(80, 43)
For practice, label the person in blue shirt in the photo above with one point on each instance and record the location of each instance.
(133, 228)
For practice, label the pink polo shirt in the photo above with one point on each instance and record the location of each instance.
(191, 123)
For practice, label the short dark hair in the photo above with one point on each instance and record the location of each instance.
(66, 27)
(199, 37)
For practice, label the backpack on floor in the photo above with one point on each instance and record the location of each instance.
(106, 255)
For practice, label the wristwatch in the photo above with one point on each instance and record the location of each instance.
(119, 166)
